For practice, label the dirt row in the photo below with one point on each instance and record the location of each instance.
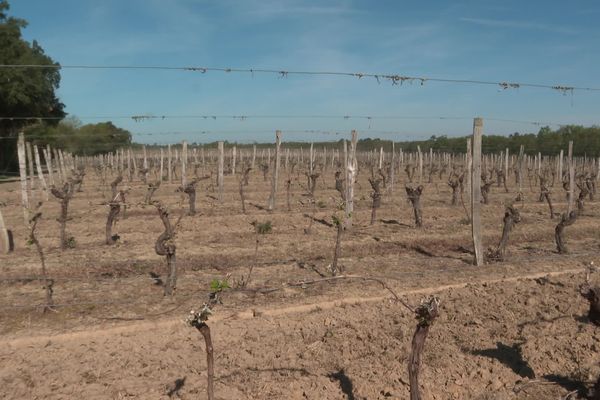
(514, 339)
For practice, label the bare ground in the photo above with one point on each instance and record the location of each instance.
(115, 336)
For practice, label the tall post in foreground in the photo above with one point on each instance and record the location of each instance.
(160, 179)
(6, 245)
(571, 178)
(275, 176)
(560, 165)
(506, 157)
(145, 164)
(220, 172)
(469, 163)
(392, 169)
(32, 185)
(184, 157)
(169, 168)
(310, 160)
(350, 176)
(48, 159)
(40, 173)
(521, 155)
(476, 191)
(23, 176)
(420, 164)
(233, 158)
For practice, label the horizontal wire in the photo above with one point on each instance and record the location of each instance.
(242, 117)
(395, 79)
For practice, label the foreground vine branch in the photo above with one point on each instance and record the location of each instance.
(48, 283)
(426, 313)
(198, 319)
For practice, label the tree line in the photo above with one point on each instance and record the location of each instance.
(586, 141)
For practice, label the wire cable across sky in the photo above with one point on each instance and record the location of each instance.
(395, 79)
(144, 117)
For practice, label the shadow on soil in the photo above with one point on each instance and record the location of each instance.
(173, 390)
(345, 383)
(567, 383)
(510, 356)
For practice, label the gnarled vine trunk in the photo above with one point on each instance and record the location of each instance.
(414, 195)
(152, 188)
(376, 196)
(511, 217)
(64, 195)
(565, 220)
(454, 184)
(165, 246)
(190, 190)
(114, 184)
(113, 214)
(48, 283)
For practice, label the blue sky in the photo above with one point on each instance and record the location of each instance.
(539, 41)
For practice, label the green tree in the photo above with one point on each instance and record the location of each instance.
(72, 136)
(24, 92)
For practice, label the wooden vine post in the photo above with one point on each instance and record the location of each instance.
(48, 159)
(169, 160)
(392, 169)
(32, 184)
(61, 178)
(145, 164)
(520, 172)
(311, 156)
(476, 191)
(275, 176)
(233, 159)
(220, 171)
(23, 176)
(6, 240)
(506, 170)
(469, 165)
(571, 179)
(351, 167)
(162, 171)
(40, 173)
(184, 156)
(420, 164)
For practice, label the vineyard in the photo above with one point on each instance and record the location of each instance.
(308, 267)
